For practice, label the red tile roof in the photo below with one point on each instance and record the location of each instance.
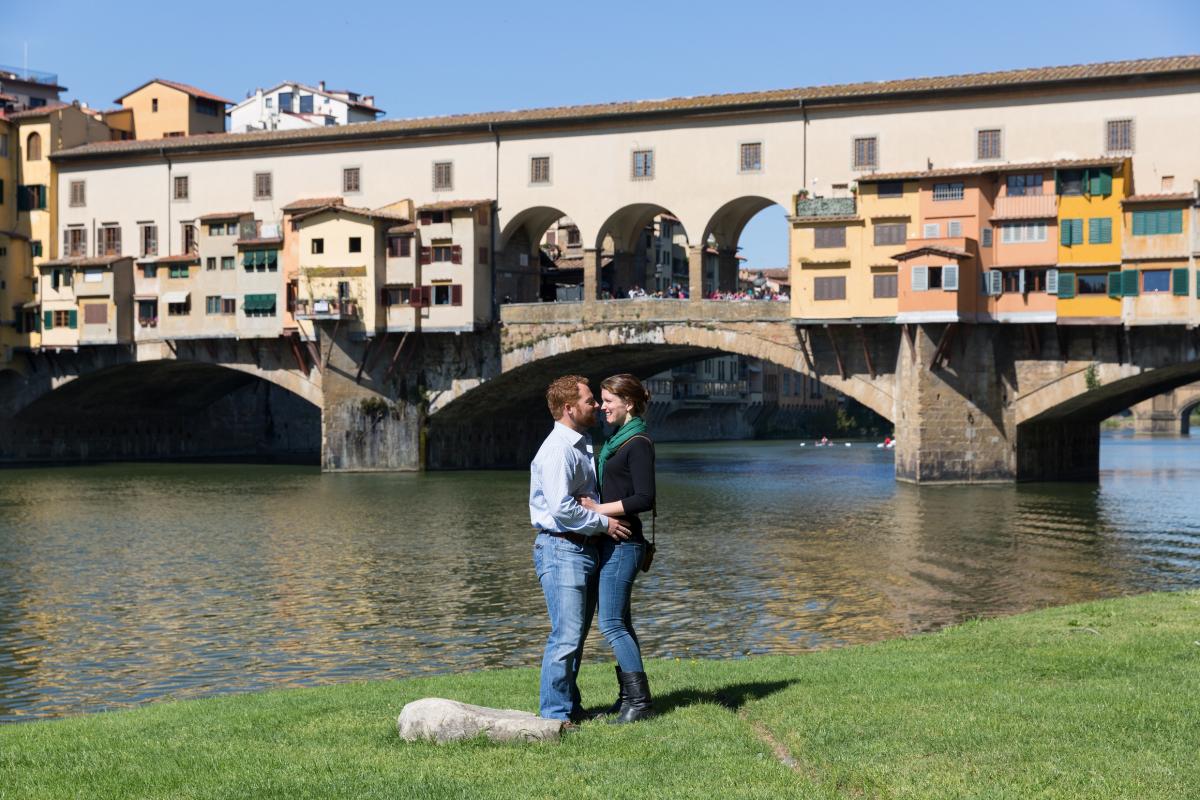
(447, 205)
(259, 242)
(1105, 73)
(38, 112)
(1170, 197)
(184, 258)
(959, 172)
(90, 261)
(225, 215)
(183, 87)
(312, 202)
(932, 249)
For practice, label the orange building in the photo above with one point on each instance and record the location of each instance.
(162, 108)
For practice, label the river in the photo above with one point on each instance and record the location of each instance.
(125, 584)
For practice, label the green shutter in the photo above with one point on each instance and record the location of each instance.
(1198, 283)
(1139, 223)
(1066, 285)
(248, 259)
(1179, 282)
(1175, 220)
(1114, 284)
(1064, 233)
(1129, 283)
(48, 322)
(1100, 230)
(73, 319)
(1105, 186)
(272, 259)
(1077, 231)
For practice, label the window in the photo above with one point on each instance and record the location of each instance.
(179, 309)
(269, 102)
(35, 249)
(207, 107)
(212, 304)
(829, 288)
(1070, 182)
(260, 260)
(935, 277)
(539, 169)
(93, 276)
(1091, 284)
(147, 311)
(179, 271)
(1158, 223)
(446, 295)
(355, 244)
(954, 228)
(891, 189)
(30, 198)
(78, 194)
(110, 240)
(574, 238)
(1016, 233)
(181, 187)
(931, 230)
(1070, 232)
(149, 271)
(228, 305)
(285, 101)
(891, 233)
(987, 144)
(1011, 281)
(3, 145)
(1156, 280)
(190, 243)
(885, 285)
(442, 252)
(482, 216)
(985, 238)
(351, 180)
(210, 264)
(751, 157)
(643, 165)
(443, 175)
(866, 153)
(432, 217)
(63, 319)
(154, 105)
(75, 241)
(1024, 185)
(834, 236)
(318, 246)
(227, 262)
(33, 147)
(1100, 230)
(149, 238)
(262, 186)
(948, 191)
(399, 246)
(1118, 136)
(306, 104)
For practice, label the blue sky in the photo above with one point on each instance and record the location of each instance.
(422, 59)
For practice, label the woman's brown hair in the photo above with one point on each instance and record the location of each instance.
(629, 389)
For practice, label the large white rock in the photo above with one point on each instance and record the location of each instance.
(451, 721)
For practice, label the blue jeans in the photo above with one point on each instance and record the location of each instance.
(619, 563)
(568, 573)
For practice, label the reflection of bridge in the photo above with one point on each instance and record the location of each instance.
(969, 402)
(1169, 412)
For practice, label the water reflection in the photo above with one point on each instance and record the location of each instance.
(124, 584)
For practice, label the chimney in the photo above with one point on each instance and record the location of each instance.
(369, 100)
(321, 86)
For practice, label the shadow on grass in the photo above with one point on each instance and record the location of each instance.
(732, 697)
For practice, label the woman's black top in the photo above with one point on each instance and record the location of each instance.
(629, 477)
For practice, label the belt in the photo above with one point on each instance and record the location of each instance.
(573, 538)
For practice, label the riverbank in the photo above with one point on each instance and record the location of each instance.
(1085, 701)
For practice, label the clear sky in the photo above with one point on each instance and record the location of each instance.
(422, 59)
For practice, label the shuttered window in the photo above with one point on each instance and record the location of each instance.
(1066, 285)
(866, 153)
(1118, 135)
(954, 228)
(988, 144)
(885, 285)
(110, 240)
(986, 238)
(262, 186)
(1158, 223)
(1156, 280)
(95, 314)
(1100, 230)
(1179, 282)
(1114, 284)
(829, 288)
(891, 189)
(351, 180)
(891, 233)
(829, 237)
(1070, 232)
(181, 187)
(932, 230)
(948, 191)
(443, 175)
(78, 194)
(149, 240)
(920, 279)
(1129, 283)
(539, 169)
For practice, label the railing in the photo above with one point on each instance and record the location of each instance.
(326, 309)
(1035, 206)
(32, 75)
(646, 310)
(817, 207)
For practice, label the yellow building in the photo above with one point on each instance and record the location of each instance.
(13, 244)
(843, 247)
(34, 136)
(162, 108)
(1090, 232)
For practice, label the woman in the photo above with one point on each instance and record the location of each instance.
(625, 470)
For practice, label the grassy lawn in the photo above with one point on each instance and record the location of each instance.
(1091, 701)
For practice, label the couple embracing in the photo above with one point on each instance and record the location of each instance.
(589, 544)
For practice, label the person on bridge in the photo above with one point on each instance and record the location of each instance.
(626, 473)
(565, 546)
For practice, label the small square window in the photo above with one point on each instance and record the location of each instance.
(643, 165)
(1118, 137)
(355, 244)
(988, 144)
(262, 186)
(539, 169)
(443, 175)
(866, 153)
(181, 187)
(318, 246)
(751, 157)
(351, 180)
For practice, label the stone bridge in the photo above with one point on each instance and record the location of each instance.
(1168, 413)
(970, 403)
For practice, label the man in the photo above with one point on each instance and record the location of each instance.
(564, 550)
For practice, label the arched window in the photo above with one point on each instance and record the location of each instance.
(33, 147)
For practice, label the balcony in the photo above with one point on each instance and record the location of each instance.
(320, 310)
(29, 75)
(826, 207)
(1032, 206)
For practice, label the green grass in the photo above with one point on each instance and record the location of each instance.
(1090, 701)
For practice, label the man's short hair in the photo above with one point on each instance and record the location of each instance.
(562, 392)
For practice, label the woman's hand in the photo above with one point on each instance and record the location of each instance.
(588, 503)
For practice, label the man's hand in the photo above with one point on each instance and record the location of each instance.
(617, 530)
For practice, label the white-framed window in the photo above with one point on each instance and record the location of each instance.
(750, 157)
(1118, 135)
(865, 153)
(931, 230)
(262, 186)
(78, 194)
(948, 191)
(1019, 232)
(642, 165)
(539, 169)
(954, 228)
(149, 238)
(443, 176)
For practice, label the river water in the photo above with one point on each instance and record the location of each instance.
(125, 584)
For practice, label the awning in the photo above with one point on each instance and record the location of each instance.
(171, 298)
(32, 304)
(259, 302)
(145, 297)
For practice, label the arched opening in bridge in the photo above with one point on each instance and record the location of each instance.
(746, 250)
(539, 258)
(642, 251)
(163, 410)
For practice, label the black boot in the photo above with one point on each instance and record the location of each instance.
(636, 702)
(615, 708)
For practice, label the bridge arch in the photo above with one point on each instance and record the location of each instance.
(1091, 393)
(726, 224)
(622, 234)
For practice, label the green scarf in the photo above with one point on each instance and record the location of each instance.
(632, 427)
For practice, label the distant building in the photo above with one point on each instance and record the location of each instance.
(22, 89)
(290, 106)
(161, 109)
